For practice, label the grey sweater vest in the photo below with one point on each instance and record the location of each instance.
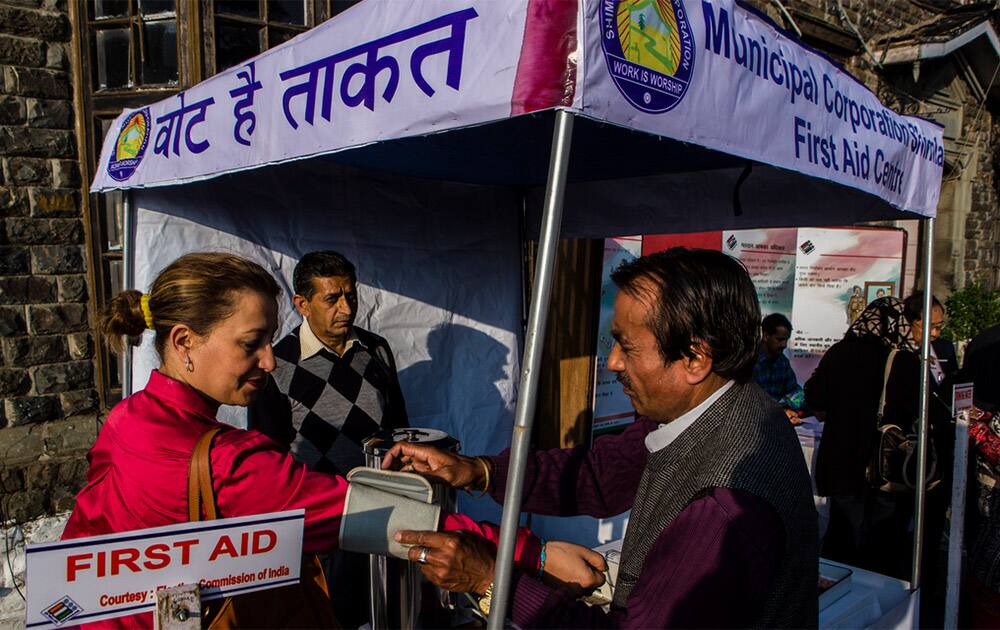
(742, 442)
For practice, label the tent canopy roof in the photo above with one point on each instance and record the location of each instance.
(463, 92)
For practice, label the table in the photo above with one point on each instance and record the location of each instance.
(874, 601)
(810, 432)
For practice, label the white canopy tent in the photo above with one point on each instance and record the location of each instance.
(413, 136)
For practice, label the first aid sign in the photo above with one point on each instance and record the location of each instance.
(101, 577)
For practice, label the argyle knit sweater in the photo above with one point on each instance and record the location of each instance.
(323, 407)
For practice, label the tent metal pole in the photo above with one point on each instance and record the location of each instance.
(128, 281)
(956, 531)
(533, 343)
(925, 384)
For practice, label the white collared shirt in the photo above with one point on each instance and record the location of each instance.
(310, 344)
(670, 431)
(936, 370)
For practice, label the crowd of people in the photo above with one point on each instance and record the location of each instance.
(868, 380)
(720, 495)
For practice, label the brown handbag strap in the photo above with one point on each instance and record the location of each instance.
(200, 490)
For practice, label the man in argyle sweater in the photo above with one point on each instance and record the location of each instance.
(334, 385)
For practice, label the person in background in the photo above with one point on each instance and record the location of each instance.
(723, 530)
(943, 360)
(981, 585)
(773, 372)
(334, 384)
(943, 367)
(981, 367)
(213, 316)
(867, 528)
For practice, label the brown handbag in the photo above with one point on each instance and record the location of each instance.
(302, 605)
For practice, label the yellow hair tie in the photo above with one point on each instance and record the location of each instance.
(146, 313)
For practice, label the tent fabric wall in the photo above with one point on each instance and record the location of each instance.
(438, 269)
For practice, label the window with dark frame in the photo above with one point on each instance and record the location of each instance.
(130, 59)
(245, 28)
(133, 43)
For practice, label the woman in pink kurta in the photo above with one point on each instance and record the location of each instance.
(214, 316)
(139, 470)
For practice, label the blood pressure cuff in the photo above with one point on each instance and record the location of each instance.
(380, 503)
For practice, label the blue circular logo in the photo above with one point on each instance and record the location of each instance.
(130, 145)
(649, 49)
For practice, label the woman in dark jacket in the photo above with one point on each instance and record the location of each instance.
(868, 528)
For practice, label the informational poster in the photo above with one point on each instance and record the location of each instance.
(837, 273)
(820, 278)
(612, 408)
(769, 256)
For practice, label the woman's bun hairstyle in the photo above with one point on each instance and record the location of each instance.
(198, 290)
(123, 320)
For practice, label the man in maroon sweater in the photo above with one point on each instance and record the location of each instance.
(723, 529)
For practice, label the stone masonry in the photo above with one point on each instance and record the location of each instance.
(48, 403)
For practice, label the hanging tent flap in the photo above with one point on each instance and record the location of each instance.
(381, 70)
(711, 74)
(722, 76)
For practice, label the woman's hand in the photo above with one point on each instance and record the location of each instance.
(573, 566)
(454, 470)
(459, 561)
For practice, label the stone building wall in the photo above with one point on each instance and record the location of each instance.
(968, 231)
(48, 401)
(982, 226)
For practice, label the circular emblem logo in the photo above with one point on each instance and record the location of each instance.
(130, 145)
(649, 50)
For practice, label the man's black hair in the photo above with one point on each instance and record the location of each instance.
(699, 296)
(321, 264)
(774, 321)
(913, 306)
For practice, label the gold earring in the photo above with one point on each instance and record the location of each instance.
(188, 365)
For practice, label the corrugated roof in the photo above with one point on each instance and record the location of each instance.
(939, 28)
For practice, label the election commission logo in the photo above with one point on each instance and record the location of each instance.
(649, 50)
(130, 146)
(62, 611)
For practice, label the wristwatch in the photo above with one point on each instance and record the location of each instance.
(485, 599)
